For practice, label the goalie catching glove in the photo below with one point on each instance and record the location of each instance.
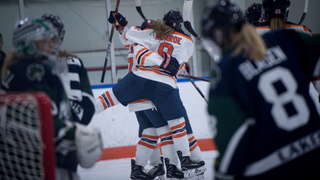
(88, 145)
(118, 19)
(170, 64)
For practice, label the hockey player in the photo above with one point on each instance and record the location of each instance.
(254, 14)
(268, 125)
(276, 15)
(152, 72)
(76, 83)
(33, 67)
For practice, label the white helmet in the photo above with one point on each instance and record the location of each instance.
(30, 30)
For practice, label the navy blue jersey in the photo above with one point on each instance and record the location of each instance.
(78, 88)
(266, 117)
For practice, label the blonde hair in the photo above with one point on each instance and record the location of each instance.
(11, 59)
(277, 23)
(161, 28)
(249, 42)
(66, 54)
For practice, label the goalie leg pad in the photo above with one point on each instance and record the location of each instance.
(88, 145)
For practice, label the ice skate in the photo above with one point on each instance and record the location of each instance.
(158, 172)
(191, 168)
(173, 172)
(138, 172)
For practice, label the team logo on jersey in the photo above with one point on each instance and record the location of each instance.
(35, 72)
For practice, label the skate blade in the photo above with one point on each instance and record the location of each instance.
(194, 172)
(163, 177)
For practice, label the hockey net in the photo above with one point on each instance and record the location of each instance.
(26, 137)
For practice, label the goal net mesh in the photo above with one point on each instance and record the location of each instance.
(23, 143)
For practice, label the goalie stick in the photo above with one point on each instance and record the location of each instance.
(306, 4)
(187, 8)
(138, 8)
(108, 48)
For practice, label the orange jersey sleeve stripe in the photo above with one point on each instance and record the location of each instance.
(294, 25)
(139, 52)
(263, 27)
(183, 35)
(124, 36)
(144, 57)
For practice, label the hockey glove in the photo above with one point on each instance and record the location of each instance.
(118, 19)
(170, 64)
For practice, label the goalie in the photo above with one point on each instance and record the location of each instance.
(32, 66)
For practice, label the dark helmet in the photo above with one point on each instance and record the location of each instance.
(146, 23)
(57, 23)
(269, 7)
(173, 19)
(223, 15)
(254, 13)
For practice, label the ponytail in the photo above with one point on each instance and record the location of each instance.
(161, 28)
(249, 42)
(277, 23)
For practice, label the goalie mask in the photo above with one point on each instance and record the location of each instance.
(30, 30)
(275, 8)
(57, 23)
(216, 21)
(173, 19)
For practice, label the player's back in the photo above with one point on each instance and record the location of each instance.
(274, 92)
(264, 27)
(177, 44)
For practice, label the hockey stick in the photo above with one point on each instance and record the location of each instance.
(138, 8)
(187, 8)
(193, 77)
(306, 4)
(109, 44)
(199, 91)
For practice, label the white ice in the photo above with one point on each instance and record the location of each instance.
(120, 169)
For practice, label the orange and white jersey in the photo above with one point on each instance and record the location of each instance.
(263, 28)
(148, 48)
(142, 104)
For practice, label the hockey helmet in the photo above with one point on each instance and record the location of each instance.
(217, 19)
(57, 23)
(222, 15)
(30, 30)
(173, 19)
(275, 8)
(254, 13)
(146, 23)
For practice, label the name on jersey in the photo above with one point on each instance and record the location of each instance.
(249, 69)
(299, 147)
(169, 38)
(74, 61)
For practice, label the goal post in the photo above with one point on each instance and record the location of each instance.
(26, 136)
